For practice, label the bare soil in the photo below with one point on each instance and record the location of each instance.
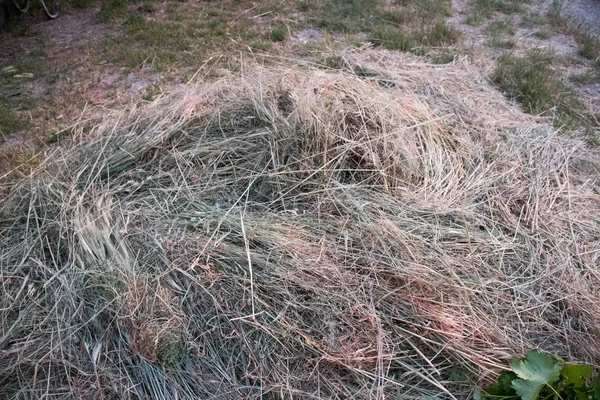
(588, 11)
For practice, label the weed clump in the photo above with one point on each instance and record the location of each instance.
(394, 38)
(499, 32)
(10, 121)
(442, 34)
(589, 45)
(279, 33)
(532, 82)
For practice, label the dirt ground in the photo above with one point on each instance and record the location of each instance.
(586, 10)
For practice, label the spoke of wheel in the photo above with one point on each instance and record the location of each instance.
(51, 8)
(22, 5)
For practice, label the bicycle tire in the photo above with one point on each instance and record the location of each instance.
(52, 9)
(22, 5)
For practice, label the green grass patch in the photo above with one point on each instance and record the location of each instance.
(56, 137)
(164, 35)
(111, 9)
(543, 34)
(279, 33)
(354, 16)
(584, 78)
(509, 6)
(396, 38)
(170, 348)
(499, 33)
(535, 85)
(147, 7)
(187, 35)
(531, 20)
(589, 44)
(349, 16)
(10, 121)
(13, 97)
(441, 34)
(528, 79)
(481, 10)
(303, 6)
(406, 27)
(556, 18)
(135, 23)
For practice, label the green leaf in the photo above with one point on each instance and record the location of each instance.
(576, 374)
(536, 371)
(528, 390)
(583, 395)
(595, 388)
(502, 388)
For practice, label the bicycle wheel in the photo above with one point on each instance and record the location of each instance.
(22, 5)
(51, 8)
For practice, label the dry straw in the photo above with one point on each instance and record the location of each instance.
(293, 232)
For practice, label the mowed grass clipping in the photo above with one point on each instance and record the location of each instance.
(294, 232)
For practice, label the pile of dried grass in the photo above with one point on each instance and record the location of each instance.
(300, 233)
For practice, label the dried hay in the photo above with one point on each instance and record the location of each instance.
(291, 232)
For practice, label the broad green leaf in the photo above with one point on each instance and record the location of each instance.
(576, 374)
(536, 371)
(527, 390)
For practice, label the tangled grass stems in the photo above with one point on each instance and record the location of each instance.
(298, 233)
